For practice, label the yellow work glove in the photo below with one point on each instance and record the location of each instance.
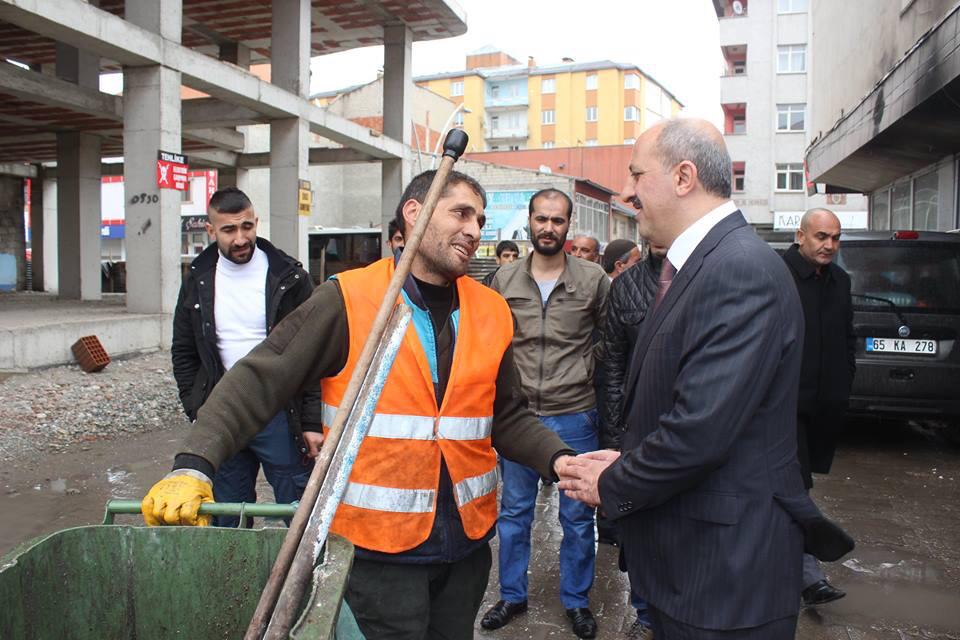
(177, 498)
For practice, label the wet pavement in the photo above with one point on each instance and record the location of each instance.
(895, 489)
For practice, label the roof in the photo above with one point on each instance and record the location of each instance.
(563, 67)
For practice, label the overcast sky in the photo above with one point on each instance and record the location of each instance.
(675, 41)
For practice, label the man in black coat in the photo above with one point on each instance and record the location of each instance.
(828, 365)
(237, 290)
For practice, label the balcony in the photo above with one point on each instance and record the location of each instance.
(507, 133)
(505, 102)
(735, 119)
(734, 89)
(736, 31)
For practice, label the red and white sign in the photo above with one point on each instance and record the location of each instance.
(172, 171)
(211, 177)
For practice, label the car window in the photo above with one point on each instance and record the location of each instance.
(915, 276)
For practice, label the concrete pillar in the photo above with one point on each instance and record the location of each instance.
(78, 189)
(289, 137)
(37, 230)
(12, 241)
(151, 122)
(397, 117)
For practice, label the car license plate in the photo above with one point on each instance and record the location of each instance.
(902, 345)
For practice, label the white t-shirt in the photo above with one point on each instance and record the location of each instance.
(240, 306)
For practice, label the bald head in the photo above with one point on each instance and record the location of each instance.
(818, 216)
(701, 143)
(819, 236)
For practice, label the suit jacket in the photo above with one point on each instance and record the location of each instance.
(708, 489)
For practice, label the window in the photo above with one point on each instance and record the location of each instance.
(494, 91)
(739, 176)
(791, 117)
(739, 123)
(514, 147)
(548, 116)
(790, 177)
(458, 119)
(591, 114)
(591, 82)
(791, 6)
(591, 217)
(880, 213)
(739, 67)
(629, 140)
(631, 113)
(631, 81)
(792, 58)
(592, 142)
(926, 190)
(456, 88)
(548, 85)
(900, 207)
(548, 144)
(494, 123)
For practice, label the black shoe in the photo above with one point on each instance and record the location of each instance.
(502, 613)
(820, 592)
(583, 623)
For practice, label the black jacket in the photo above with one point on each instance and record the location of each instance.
(196, 359)
(630, 296)
(829, 359)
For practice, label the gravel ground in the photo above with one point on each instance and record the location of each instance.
(49, 410)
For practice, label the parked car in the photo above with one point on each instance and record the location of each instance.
(906, 299)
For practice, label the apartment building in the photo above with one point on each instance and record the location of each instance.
(767, 101)
(505, 105)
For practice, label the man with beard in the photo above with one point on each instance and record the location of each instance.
(557, 302)
(238, 289)
(421, 502)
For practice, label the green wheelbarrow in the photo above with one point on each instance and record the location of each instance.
(196, 583)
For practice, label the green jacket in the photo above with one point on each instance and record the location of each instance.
(553, 342)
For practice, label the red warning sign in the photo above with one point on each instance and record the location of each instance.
(172, 171)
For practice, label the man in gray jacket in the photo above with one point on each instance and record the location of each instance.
(556, 302)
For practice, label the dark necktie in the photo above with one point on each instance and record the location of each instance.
(666, 277)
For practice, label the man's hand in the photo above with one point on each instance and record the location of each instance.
(177, 498)
(313, 440)
(582, 474)
(560, 465)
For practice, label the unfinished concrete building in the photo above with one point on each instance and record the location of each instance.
(53, 52)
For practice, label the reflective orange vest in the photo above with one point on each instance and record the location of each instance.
(391, 498)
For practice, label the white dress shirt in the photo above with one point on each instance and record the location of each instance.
(686, 242)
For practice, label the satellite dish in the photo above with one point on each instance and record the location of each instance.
(737, 7)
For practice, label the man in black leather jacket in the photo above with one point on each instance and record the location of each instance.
(217, 320)
(631, 294)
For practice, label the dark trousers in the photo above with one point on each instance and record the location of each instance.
(393, 601)
(666, 628)
(286, 470)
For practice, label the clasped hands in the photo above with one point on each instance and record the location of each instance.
(580, 475)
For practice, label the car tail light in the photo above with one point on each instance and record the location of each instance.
(906, 235)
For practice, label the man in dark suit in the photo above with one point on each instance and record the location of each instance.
(707, 489)
(829, 362)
